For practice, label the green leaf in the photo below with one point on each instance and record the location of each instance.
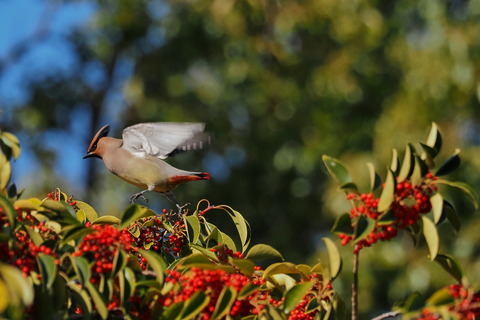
(224, 302)
(242, 225)
(80, 297)
(5, 174)
(106, 220)
(431, 236)
(119, 262)
(348, 187)
(195, 305)
(215, 235)
(395, 163)
(295, 295)
(97, 300)
(434, 139)
(263, 252)
(437, 207)
(32, 204)
(246, 291)
(244, 265)
(414, 302)
(386, 218)
(465, 188)
(375, 180)
(20, 290)
(205, 252)
(343, 224)
(156, 262)
(81, 268)
(135, 212)
(451, 215)
(428, 155)
(363, 228)
(419, 171)
(450, 264)
(64, 212)
(4, 296)
(34, 236)
(280, 267)
(335, 260)
(228, 242)
(337, 170)
(407, 164)
(74, 232)
(48, 269)
(451, 164)
(388, 193)
(194, 259)
(193, 228)
(173, 311)
(440, 297)
(90, 213)
(8, 210)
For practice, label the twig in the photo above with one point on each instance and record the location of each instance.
(355, 284)
(386, 315)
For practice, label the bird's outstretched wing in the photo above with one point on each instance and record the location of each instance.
(164, 139)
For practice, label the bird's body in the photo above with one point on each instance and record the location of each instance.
(137, 158)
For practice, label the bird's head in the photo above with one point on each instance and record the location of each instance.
(93, 151)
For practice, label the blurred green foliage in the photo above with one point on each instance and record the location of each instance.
(279, 83)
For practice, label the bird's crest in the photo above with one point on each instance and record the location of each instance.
(103, 132)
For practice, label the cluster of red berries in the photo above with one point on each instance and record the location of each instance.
(319, 291)
(223, 253)
(466, 305)
(212, 283)
(101, 245)
(409, 202)
(23, 253)
(57, 196)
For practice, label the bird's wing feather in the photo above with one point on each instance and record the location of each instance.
(164, 139)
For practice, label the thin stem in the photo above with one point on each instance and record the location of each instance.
(356, 253)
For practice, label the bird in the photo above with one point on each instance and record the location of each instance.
(138, 158)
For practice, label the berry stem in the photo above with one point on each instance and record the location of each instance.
(356, 254)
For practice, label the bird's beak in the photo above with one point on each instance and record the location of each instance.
(91, 155)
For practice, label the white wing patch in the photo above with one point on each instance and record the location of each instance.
(164, 139)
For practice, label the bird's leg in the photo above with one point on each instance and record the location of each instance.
(170, 196)
(139, 195)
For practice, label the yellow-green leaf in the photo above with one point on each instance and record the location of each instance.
(335, 260)
(430, 233)
(295, 295)
(388, 192)
(262, 252)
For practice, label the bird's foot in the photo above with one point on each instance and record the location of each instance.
(180, 207)
(138, 195)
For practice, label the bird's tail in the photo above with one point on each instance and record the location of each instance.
(191, 177)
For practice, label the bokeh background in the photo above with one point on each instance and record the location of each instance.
(279, 83)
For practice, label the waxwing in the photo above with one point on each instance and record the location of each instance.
(138, 157)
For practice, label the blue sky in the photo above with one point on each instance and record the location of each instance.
(19, 22)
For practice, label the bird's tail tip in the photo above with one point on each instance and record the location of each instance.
(204, 175)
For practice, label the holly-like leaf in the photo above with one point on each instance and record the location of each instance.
(407, 164)
(106, 220)
(195, 305)
(90, 213)
(97, 300)
(449, 264)
(375, 180)
(363, 228)
(437, 207)
(440, 297)
(156, 262)
(134, 212)
(8, 210)
(430, 233)
(334, 258)
(395, 163)
(388, 193)
(224, 302)
(452, 215)
(295, 295)
(337, 170)
(193, 227)
(451, 164)
(280, 268)
(343, 224)
(465, 188)
(263, 252)
(434, 139)
(48, 269)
